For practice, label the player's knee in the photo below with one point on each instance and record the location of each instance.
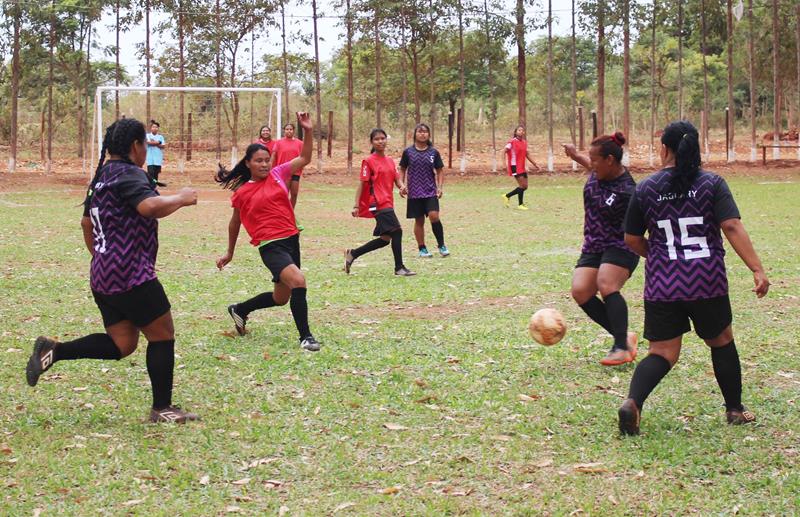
(581, 294)
(397, 234)
(523, 187)
(281, 298)
(606, 287)
(434, 217)
(126, 346)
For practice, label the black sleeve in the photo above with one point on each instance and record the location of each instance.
(404, 160)
(634, 217)
(437, 160)
(134, 186)
(295, 177)
(724, 205)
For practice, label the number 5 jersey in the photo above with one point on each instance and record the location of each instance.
(685, 257)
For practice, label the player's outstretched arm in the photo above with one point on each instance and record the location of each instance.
(88, 236)
(740, 240)
(304, 121)
(233, 235)
(161, 206)
(577, 157)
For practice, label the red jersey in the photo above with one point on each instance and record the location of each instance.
(379, 173)
(264, 206)
(516, 153)
(286, 150)
(270, 145)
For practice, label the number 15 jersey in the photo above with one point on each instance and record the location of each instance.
(685, 257)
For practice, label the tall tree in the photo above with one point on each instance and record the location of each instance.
(376, 23)
(147, 55)
(626, 74)
(653, 82)
(704, 51)
(318, 86)
(117, 29)
(218, 79)
(601, 66)
(285, 63)
(550, 85)
(462, 95)
(731, 111)
(492, 111)
(776, 80)
(522, 82)
(573, 84)
(50, 81)
(349, 89)
(751, 66)
(15, 78)
(680, 60)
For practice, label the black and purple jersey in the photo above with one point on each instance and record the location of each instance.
(604, 206)
(420, 168)
(125, 242)
(685, 257)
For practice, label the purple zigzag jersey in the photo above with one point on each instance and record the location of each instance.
(125, 243)
(685, 259)
(420, 171)
(604, 206)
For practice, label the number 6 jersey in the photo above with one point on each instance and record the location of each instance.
(685, 257)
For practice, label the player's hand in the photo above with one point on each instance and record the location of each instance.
(569, 150)
(188, 196)
(761, 283)
(304, 120)
(439, 193)
(224, 260)
(354, 212)
(403, 191)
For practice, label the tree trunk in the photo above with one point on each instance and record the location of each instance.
(680, 60)
(706, 107)
(776, 81)
(415, 73)
(218, 74)
(731, 111)
(116, 64)
(626, 74)
(550, 85)
(181, 83)
(15, 72)
(574, 85)
(432, 76)
(377, 70)
(317, 87)
(234, 111)
(463, 117)
(349, 89)
(797, 121)
(750, 44)
(490, 79)
(521, 79)
(285, 64)
(601, 67)
(404, 85)
(49, 157)
(653, 84)
(252, 80)
(147, 56)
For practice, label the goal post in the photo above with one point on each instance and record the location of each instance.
(98, 127)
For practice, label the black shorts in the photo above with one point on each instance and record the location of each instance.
(276, 255)
(142, 305)
(520, 175)
(385, 222)
(668, 320)
(617, 256)
(419, 207)
(154, 171)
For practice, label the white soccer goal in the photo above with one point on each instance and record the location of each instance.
(98, 128)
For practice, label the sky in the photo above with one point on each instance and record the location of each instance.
(330, 33)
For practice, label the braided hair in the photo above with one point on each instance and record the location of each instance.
(240, 174)
(118, 139)
(681, 138)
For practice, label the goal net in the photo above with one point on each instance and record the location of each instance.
(212, 125)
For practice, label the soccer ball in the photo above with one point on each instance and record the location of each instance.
(547, 326)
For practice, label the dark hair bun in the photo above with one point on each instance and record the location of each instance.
(619, 138)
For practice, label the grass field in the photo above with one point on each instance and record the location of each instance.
(428, 396)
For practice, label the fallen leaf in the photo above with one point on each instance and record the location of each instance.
(100, 435)
(528, 398)
(82, 388)
(12, 350)
(413, 462)
(204, 480)
(457, 492)
(232, 509)
(501, 438)
(589, 468)
(5, 449)
(394, 427)
(283, 510)
(452, 360)
(229, 333)
(266, 356)
(426, 399)
(241, 482)
(132, 502)
(391, 490)
(242, 499)
(421, 383)
(343, 506)
(273, 483)
(543, 463)
(37, 512)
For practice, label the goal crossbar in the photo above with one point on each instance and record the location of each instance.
(97, 119)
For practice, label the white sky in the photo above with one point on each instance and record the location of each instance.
(331, 35)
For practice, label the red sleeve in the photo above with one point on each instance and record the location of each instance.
(366, 171)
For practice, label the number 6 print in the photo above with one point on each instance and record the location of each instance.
(686, 241)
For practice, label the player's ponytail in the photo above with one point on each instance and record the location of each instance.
(610, 145)
(240, 174)
(100, 163)
(682, 139)
(373, 134)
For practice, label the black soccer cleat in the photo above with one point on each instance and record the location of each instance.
(310, 344)
(348, 260)
(42, 358)
(171, 415)
(238, 321)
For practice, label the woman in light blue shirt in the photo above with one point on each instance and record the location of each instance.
(155, 153)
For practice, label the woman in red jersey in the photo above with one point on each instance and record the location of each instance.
(516, 154)
(265, 139)
(375, 198)
(284, 150)
(261, 203)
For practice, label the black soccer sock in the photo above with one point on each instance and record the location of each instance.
(646, 377)
(513, 193)
(520, 195)
(438, 232)
(596, 309)
(299, 307)
(372, 245)
(93, 346)
(728, 371)
(617, 310)
(160, 365)
(261, 301)
(397, 249)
